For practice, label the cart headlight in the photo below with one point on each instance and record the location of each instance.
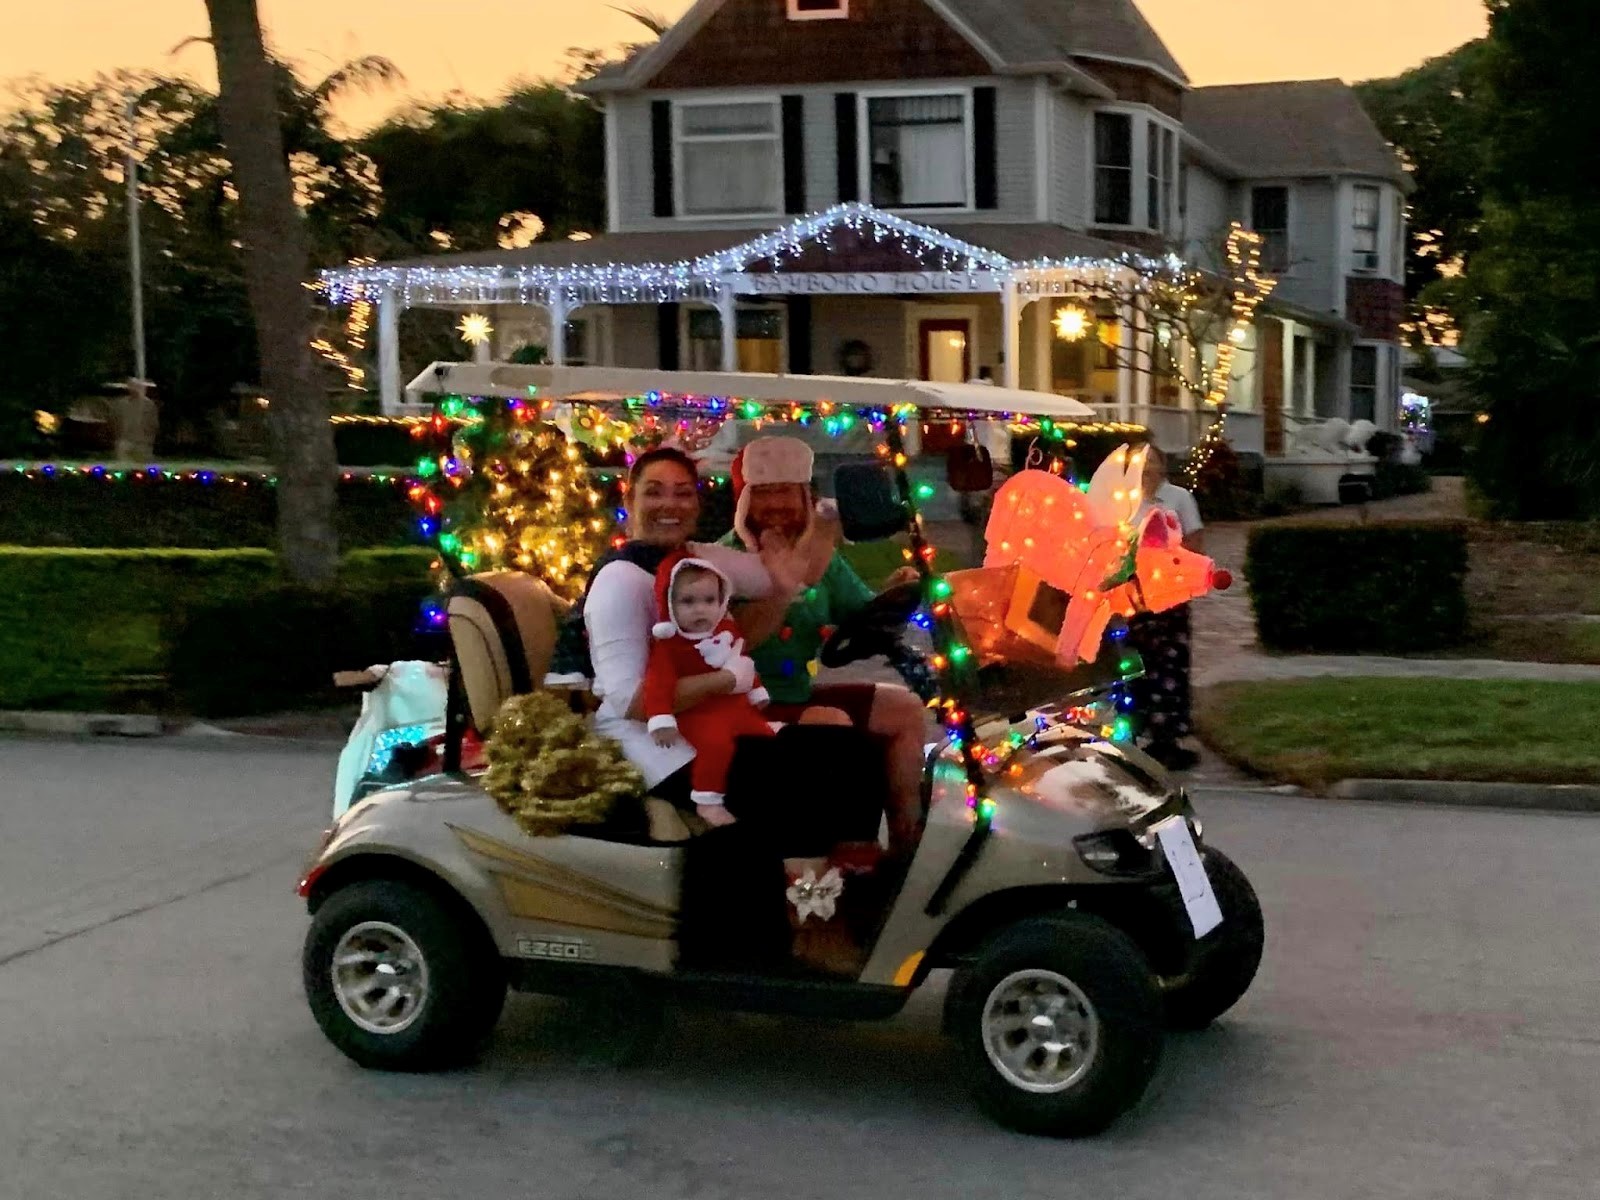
(1115, 852)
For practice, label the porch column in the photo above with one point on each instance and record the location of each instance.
(558, 328)
(483, 351)
(1043, 345)
(728, 322)
(1144, 381)
(1011, 330)
(389, 396)
(1126, 370)
(1270, 338)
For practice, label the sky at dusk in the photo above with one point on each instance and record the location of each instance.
(478, 46)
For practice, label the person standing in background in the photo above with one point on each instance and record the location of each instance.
(1161, 696)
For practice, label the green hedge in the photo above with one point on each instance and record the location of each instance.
(99, 629)
(1359, 588)
(81, 510)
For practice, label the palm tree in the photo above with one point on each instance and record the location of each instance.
(277, 264)
(650, 19)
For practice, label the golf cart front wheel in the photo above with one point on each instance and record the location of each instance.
(398, 980)
(1058, 1025)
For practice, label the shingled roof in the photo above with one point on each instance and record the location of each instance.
(1013, 34)
(1311, 127)
(1026, 32)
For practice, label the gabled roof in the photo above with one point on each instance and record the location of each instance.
(1311, 127)
(1015, 35)
(670, 265)
(1030, 32)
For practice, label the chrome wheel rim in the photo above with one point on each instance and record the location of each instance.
(379, 977)
(1040, 1031)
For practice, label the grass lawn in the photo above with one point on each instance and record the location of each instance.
(876, 561)
(1556, 641)
(1315, 732)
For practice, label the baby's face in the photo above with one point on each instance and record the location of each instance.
(697, 602)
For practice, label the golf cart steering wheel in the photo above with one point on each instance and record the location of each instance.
(875, 630)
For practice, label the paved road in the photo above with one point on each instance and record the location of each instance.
(1425, 1026)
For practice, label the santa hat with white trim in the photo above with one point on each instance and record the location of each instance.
(774, 458)
(667, 575)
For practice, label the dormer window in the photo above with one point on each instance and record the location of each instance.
(818, 10)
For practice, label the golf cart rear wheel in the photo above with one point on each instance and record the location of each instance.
(399, 980)
(1226, 959)
(1058, 1025)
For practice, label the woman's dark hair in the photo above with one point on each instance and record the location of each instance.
(661, 454)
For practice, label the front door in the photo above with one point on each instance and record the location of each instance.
(946, 349)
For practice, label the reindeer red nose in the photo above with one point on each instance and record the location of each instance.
(1221, 580)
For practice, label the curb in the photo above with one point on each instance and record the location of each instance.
(74, 724)
(1532, 797)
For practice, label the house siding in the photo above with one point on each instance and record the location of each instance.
(753, 43)
(880, 325)
(1014, 153)
(1070, 183)
(1137, 85)
(1312, 280)
(633, 336)
(1209, 211)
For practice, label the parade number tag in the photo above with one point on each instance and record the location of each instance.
(1193, 883)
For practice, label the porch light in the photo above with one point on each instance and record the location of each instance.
(474, 329)
(1071, 323)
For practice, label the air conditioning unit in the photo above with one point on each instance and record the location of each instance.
(1366, 260)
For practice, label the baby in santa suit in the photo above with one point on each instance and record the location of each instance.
(695, 636)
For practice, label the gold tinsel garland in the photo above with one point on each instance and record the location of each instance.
(549, 770)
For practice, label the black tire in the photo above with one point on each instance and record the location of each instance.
(465, 985)
(1226, 959)
(1111, 974)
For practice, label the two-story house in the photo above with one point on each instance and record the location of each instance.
(988, 152)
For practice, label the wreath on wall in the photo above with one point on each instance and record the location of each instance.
(855, 357)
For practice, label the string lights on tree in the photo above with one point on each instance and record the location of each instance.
(1190, 325)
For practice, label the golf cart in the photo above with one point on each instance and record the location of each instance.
(1062, 876)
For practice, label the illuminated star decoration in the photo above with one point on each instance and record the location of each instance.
(1071, 323)
(474, 329)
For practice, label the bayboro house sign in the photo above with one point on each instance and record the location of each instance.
(865, 283)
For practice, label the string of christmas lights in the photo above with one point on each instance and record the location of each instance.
(704, 277)
(503, 488)
(1251, 289)
(206, 476)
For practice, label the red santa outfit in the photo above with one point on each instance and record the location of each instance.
(714, 725)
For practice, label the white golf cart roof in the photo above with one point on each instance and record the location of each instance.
(602, 385)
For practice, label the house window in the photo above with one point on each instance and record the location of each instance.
(1366, 223)
(818, 10)
(1399, 236)
(918, 149)
(759, 337)
(1269, 216)
(730, 159)
(1113, 169)
(1169, 164)
(1363, 383)
(1160, 167)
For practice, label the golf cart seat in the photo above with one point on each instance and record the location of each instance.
(503, 626)
(503, 629)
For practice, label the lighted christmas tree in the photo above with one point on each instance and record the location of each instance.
(508, 492)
